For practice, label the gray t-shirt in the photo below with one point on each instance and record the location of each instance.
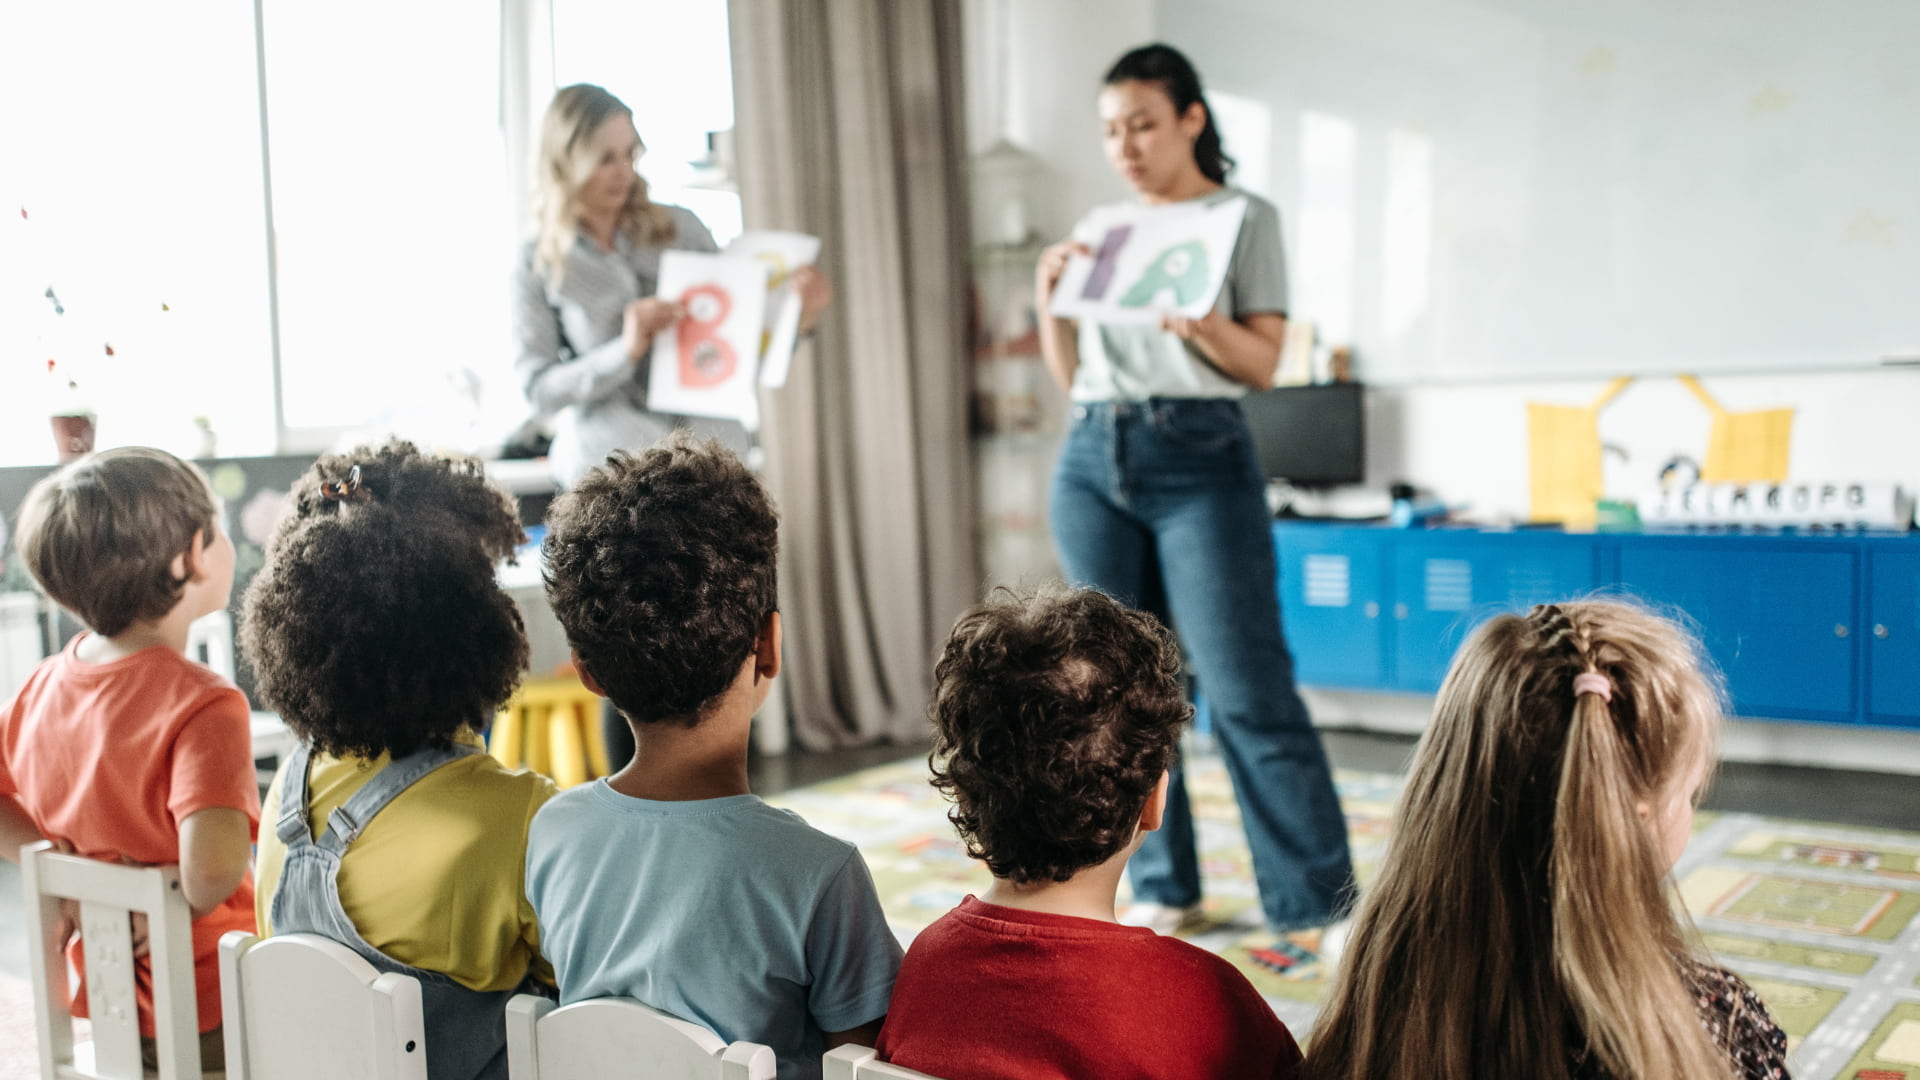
(1134, 363)
(726, 912)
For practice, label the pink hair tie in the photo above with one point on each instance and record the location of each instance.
(1592, 682)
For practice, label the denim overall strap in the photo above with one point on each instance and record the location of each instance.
(466, 1028)
(292, 826)
(349, 820)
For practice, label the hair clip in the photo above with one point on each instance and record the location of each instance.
(350, 489)
(1592, 682)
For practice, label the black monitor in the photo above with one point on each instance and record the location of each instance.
(1310, 436)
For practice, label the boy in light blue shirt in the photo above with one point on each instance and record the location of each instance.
(670, 882)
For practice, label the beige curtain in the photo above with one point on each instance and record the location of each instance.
(848, 126)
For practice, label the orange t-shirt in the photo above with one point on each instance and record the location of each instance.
(112, 757)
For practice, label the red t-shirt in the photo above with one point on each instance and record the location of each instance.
(994, 993)
(112, 757)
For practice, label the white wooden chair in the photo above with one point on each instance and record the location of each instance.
(621, 1037)
(210, 641)
(863, 1063)
(108, 893)
(299, 1006)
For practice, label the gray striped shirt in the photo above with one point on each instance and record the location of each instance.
(572, 362)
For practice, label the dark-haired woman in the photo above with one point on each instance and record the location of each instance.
(1158, 500)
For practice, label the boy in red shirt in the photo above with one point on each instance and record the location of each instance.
(120, 748)
(1055, 717)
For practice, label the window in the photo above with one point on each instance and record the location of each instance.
(130, 139)
(392, 230)
(670, 63)
(133, 140)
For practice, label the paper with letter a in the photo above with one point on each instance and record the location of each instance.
(704, 364)
(783, 252)
(1149, 261)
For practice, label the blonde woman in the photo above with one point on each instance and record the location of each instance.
(1520, 924)
(585, 312)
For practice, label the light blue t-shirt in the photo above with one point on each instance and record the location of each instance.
(726, 912)
(1135, 363)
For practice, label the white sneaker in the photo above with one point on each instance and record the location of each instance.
(1159, 918)
(1333, 941)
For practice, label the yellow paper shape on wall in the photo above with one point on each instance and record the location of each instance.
(1563, 458)
(1744, 447)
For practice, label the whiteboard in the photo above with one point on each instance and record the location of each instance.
(1505, 189)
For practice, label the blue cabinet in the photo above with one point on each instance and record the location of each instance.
(1893, 641)
(1803, 627)
(1776, 615)
(1448, 583)
(1333, 594)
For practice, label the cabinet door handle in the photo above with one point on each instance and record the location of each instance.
(1880, 631)
(1840, 630)
(1399, 611)
(1372, 609)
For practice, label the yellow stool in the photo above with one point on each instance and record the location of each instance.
(551, 726)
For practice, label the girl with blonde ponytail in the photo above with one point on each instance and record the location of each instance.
(1521, 925)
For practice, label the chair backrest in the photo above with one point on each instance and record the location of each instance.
(621, 1037)
(107, 894)
(299, 1005)
(863, 1063)
(210, 641)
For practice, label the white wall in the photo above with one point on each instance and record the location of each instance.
(1466, 442)
(1033, 72)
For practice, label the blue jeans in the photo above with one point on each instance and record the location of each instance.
(1159, 504)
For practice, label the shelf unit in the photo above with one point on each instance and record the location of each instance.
(1017, 418)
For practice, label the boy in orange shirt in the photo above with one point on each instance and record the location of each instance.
(120, 748)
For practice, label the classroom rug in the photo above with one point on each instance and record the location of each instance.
(1819, 918)
(19, 1060)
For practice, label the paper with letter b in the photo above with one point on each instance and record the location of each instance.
(704, 364)
(1149, 261)
(783, 252)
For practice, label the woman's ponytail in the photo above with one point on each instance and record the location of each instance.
(1213, 161)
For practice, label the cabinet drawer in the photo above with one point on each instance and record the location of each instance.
(1333, 591)
(1778, 618)
(1447, 584)
(1893, 636)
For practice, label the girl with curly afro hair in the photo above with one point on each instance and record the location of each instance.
(380, 635)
